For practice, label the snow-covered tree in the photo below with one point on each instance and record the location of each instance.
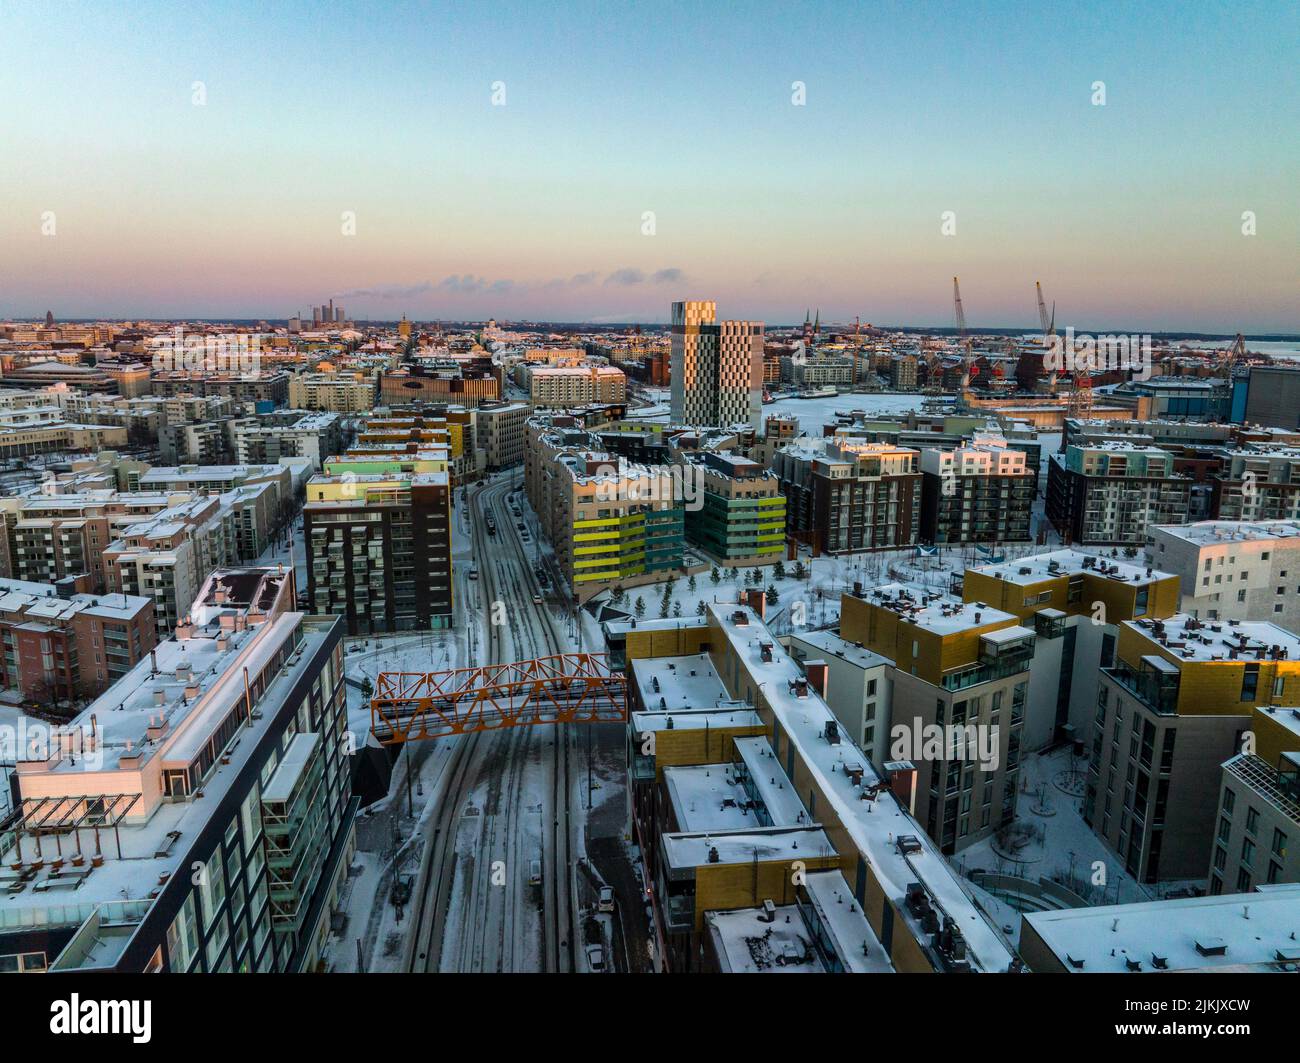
(639, 608)
(772, 596)
(715, 576)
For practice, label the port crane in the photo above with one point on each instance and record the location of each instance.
(1049, 330)
(964, 337)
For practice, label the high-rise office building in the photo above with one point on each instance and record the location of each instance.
(716, 367)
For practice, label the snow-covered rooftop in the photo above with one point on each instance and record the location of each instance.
(873, 826)
(679, 682)
(942, 614)
(1255, 930)
(1210, 532)
(1192, 639)
(1035, 568)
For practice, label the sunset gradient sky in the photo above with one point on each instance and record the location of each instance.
(1130, 214)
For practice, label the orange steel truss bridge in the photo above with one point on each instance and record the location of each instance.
(563, 688)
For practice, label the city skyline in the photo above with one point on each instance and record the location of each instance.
(505, 163)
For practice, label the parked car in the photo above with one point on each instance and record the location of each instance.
(596, 958)
(537, 600)
(534, 872)
(473, 572)
(605, 900)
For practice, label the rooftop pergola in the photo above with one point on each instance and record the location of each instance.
(70, 813)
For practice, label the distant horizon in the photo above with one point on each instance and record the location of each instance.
(526, 323)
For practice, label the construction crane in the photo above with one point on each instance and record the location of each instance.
(1231, 357)
(965, 339)
(1049, 330)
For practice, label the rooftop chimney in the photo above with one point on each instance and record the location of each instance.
(818, 673)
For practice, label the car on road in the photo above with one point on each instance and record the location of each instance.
(534, 872)
(473, 572)
(520, 525)
(605, 900)
(538, 600)
(596, 958)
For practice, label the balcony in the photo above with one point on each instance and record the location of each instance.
(1156, 687)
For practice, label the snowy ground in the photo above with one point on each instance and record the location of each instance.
(1055, 843)
(813, 413)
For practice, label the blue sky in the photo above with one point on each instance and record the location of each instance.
(1129, 213)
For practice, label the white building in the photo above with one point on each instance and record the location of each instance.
(1233, 570)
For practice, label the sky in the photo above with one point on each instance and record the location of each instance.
(595, 161)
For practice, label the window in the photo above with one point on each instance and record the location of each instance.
(1252, 820)
(1229, 801)
(1247, 852)
(212, 888)
(1279, 842)
(1250, 683)
(183, 937)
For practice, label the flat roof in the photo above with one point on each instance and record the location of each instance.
(1037, 568)
(873, 826)
(690, 849)
(746, 943)
(689, 682)
(1255, 930)
(1213, 532)
(1191, 639)
(707, 797)
(942, 614)
(836, 646)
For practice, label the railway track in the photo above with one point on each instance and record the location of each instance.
(491, 912)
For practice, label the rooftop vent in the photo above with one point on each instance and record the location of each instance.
(1211, 946)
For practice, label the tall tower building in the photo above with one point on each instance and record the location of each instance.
(716, 367)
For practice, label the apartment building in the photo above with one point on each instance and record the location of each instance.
(1111, 493)
(197, 815)
(454, 427)
(857, 687)
(1257, 828)
(1170, 711)
(502, 428)
(269, 438)
(741, 516)
(982, 492)
(1258, 485)
(822, 372)
(845, 496)
(58, 644)
(564, 386)
(903, 372)
(53, 537)
(338, 392)
(616, 522)
(716, 367)
(194, 443)
(1240, 570)
(958, 704)
(262, 495)
(379, 549)
(1228, 935)
(740, 775)
(270, 387)
(1075, 603)
(466, 386)
(167, 557)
